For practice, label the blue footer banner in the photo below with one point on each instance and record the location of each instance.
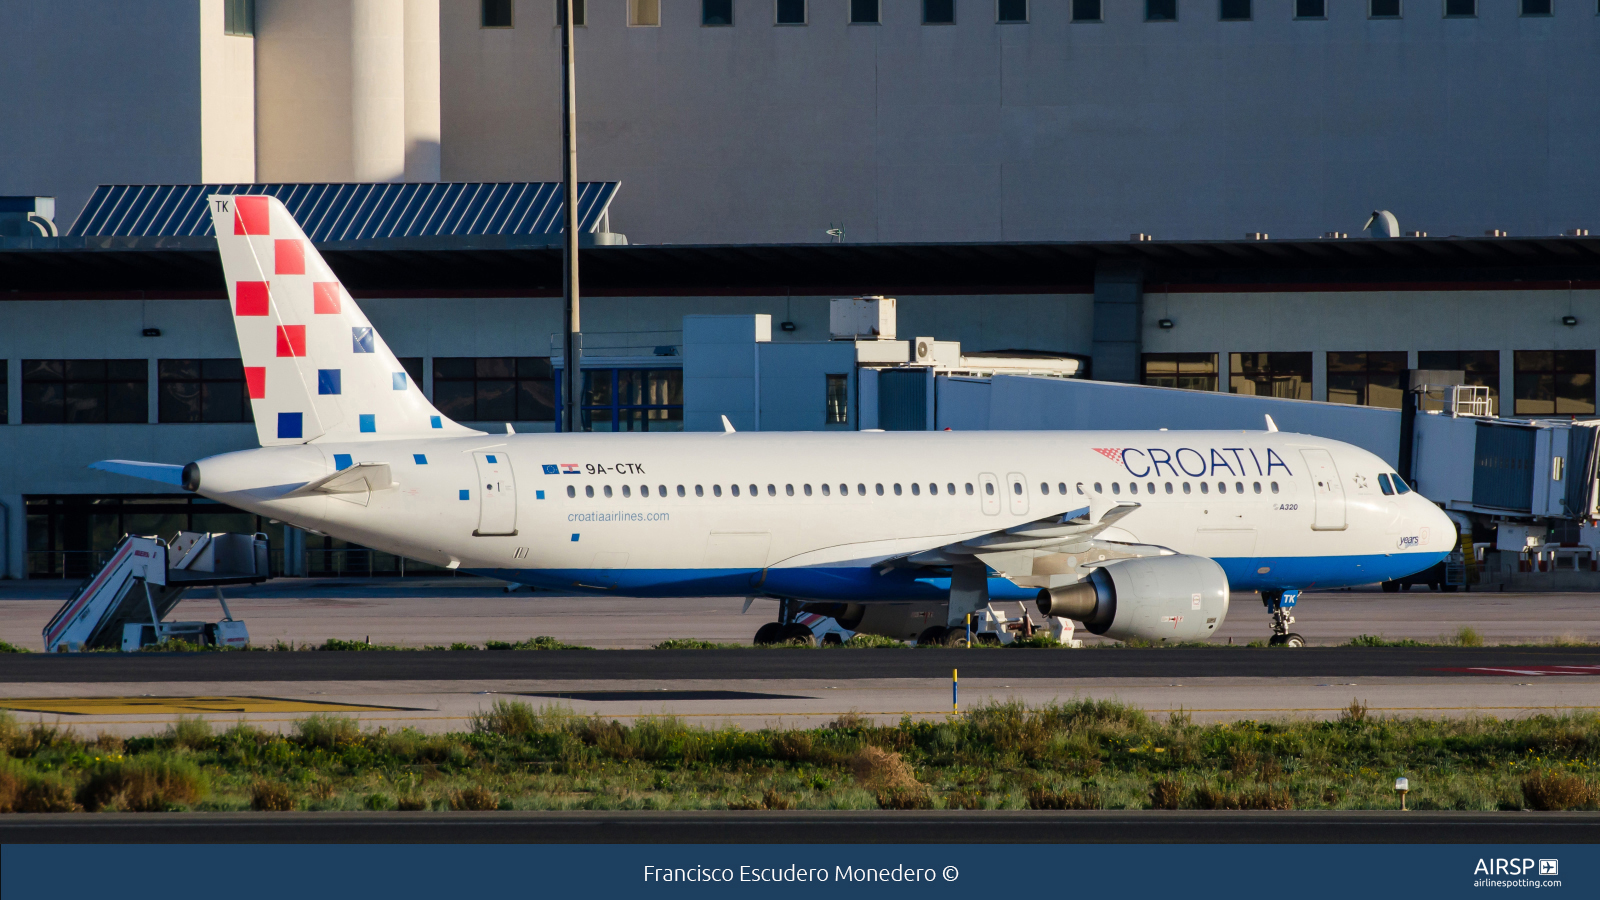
(1192, 871)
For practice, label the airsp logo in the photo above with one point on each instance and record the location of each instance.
(1549, 867)
(1516, 867)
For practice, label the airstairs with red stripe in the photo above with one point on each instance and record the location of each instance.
(122, 605)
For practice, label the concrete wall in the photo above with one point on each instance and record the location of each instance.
(98, 91)
(1046, 131)
(346, 90)
(227, 101)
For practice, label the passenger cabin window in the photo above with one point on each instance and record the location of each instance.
(969, 489)
(572, 491)
(1274, 487)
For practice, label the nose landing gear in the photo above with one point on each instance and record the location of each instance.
(1279, 604)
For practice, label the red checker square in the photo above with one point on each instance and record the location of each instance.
(250, 298)
(255, 381)
(291, 340)
(289, 257)
(250, 215)
(325, 298)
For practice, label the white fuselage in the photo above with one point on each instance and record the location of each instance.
(807, 515)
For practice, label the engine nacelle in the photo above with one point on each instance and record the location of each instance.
(1156, 598)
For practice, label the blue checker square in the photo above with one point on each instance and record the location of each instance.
(369, 423)
(490, 458)
(466, 494)
(574, 538)
(435, 421)
(328, 381)
(420, 459)
(399, 381)
(551, 470)
(289, 425)
(538, 495)
(361, 337)
(341, 461)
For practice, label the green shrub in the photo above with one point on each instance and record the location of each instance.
(542, 642)
(379, 802)
(1043, 798)
(1038, 640)
(695, 644)
(327, 731)
(23, 789)
(271, 796)
(1166, 793)
(6, 647)
(463, 646)
(862, 641)
(508, 718)
(147, 783)
(191, 733)
(475, 798)
(1550, 790)
(1466, 636)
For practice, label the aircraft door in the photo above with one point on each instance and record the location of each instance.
(1326, 489)
(1017, 491)
(989, 493)
(497, 493)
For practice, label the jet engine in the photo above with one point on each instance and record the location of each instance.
(1154, 598)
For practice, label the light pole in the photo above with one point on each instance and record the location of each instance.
(572, 348)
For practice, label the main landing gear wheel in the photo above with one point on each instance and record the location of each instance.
(769, 634)
(1286, 640)
(932, 635)
(795, 633)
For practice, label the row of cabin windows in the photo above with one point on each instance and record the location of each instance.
(932, 489)
(719, 13)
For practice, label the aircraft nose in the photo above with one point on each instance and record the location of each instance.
(1443, 525)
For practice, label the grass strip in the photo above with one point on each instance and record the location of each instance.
(1078, 755)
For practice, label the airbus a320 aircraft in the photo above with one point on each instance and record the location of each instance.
(1136, 534)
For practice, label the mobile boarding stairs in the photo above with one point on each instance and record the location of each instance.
(122, 605)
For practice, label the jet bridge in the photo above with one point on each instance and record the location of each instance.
(122, 605)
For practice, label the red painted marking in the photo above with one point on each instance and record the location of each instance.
(255, 380)
(325, 298)
(1112, 453)
(288, 257)
(88, 593)
(250, 298)
(250, 215)
(291, 340)
(1528, 670)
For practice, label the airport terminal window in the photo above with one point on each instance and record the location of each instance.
(1087, 11)
(1189, 371)
(1011, 10)
(1536, 7)
(85, 391)
(938, 12)
(1310, 9)
(1554, 382)
(863, 12)
(716, 12)
(202, 390)
(1161, 10)
(1233, 10)
(413, 367)
(632, 399)
(1460, 9)
(494, 388)
(646, 13)
(838, 400)
(1480, 368)
(1286, 375)
(1383, 9)
(1366, 379)
(579, 14)
(791, 12)
(239, 18)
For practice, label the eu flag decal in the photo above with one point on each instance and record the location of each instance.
(552, 470)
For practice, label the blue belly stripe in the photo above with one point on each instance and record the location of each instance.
(865, 584)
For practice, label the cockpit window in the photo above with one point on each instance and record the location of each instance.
(1400, 486)
(1383, 482)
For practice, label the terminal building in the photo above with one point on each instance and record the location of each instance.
(1175, 194)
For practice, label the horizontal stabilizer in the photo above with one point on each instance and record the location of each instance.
(357, 479)
(147, 470)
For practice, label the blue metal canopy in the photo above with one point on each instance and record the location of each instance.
(350, 212)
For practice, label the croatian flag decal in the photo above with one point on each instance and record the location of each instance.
(1113, 454)
(569, 469)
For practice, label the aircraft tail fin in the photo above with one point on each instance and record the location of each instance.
(314, 365)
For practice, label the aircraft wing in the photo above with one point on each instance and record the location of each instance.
(1068, 529)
